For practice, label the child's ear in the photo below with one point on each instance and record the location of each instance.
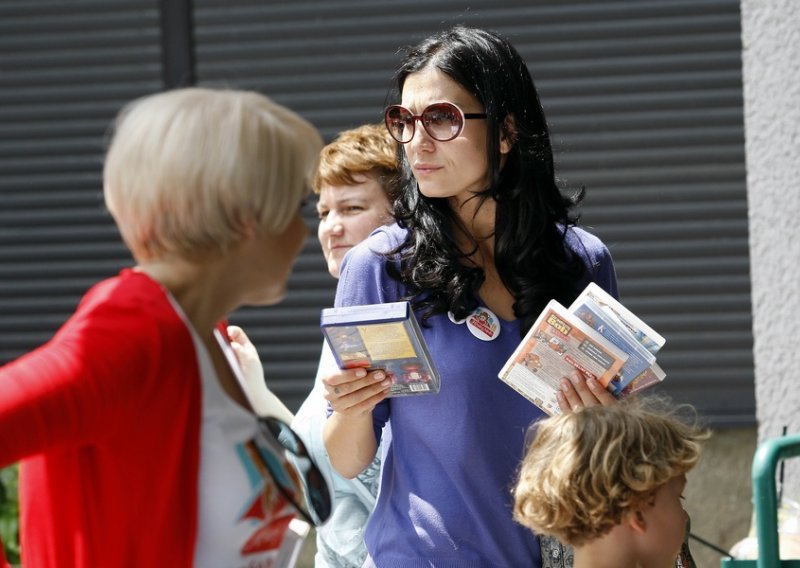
(637, 521)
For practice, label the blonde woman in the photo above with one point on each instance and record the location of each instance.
(133, 422)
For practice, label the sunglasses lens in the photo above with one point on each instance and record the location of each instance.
(296, 475)
(442, 121)
(285, 435)
(400, 123)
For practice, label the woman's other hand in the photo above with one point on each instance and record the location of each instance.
(579, 391)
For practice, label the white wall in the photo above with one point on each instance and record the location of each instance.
(771, 72)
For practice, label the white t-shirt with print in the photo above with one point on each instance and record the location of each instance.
(242, 517)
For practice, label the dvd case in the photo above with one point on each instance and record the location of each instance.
(557, 344)
(596, 335)
(382, 336)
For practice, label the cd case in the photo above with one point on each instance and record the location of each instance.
(382, 336)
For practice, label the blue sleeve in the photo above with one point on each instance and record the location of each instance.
(596, 257)
(363, 280)
(605, 275)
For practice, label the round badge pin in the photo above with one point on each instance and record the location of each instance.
(453, 319)
(483, 324)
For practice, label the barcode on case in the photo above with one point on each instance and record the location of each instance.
(418, 388)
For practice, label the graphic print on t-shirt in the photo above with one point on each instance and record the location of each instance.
(267, 509)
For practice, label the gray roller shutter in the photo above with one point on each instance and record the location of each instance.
(645, 104)
(65, 69)
(644, 98)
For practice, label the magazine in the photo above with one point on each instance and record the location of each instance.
(382, 336)
(598, 336)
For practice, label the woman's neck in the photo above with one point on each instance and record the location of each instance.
(201, 289)
(206, 293)
(477, 216)
(475, 238)
(475, 232)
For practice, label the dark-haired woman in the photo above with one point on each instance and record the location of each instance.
(485, 239)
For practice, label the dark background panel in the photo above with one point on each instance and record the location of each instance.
(65, 70)
(644, 98)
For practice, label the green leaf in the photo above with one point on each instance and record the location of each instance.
(9, 512)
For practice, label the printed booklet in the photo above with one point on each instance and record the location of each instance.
(382, 336)
(596, 335)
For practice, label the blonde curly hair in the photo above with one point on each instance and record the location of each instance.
(584, 470)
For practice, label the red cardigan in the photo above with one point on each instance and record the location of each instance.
(106, 419)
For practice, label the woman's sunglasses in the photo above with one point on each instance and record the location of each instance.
(442, 121)
(277, 449)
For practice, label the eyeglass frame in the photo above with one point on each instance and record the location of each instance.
(419, 117)
(311, 512)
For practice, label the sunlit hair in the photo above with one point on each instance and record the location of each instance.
(190, 171)
(366, 150)
(584, 470)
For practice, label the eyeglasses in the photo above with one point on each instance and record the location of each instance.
(297, 477)
(442, 121)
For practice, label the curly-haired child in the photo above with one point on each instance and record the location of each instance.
(608, 480)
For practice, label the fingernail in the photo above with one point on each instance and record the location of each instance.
(379, 375)
(386, 383)
(565, 386)
(361, 373)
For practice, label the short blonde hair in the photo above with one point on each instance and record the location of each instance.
(366, 150)
(189, 171)
(584, 470)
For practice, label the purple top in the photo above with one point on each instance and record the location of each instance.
(445, 498)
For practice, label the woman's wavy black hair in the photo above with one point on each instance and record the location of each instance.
(532, 215)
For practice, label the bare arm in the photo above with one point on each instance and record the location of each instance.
(263, 400)
(348, 435)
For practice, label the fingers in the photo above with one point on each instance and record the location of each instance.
(578, 391)
(356, 390)
(246, 354)
(603, 395)
(238, 337)
(366, 405)
(235, 333)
